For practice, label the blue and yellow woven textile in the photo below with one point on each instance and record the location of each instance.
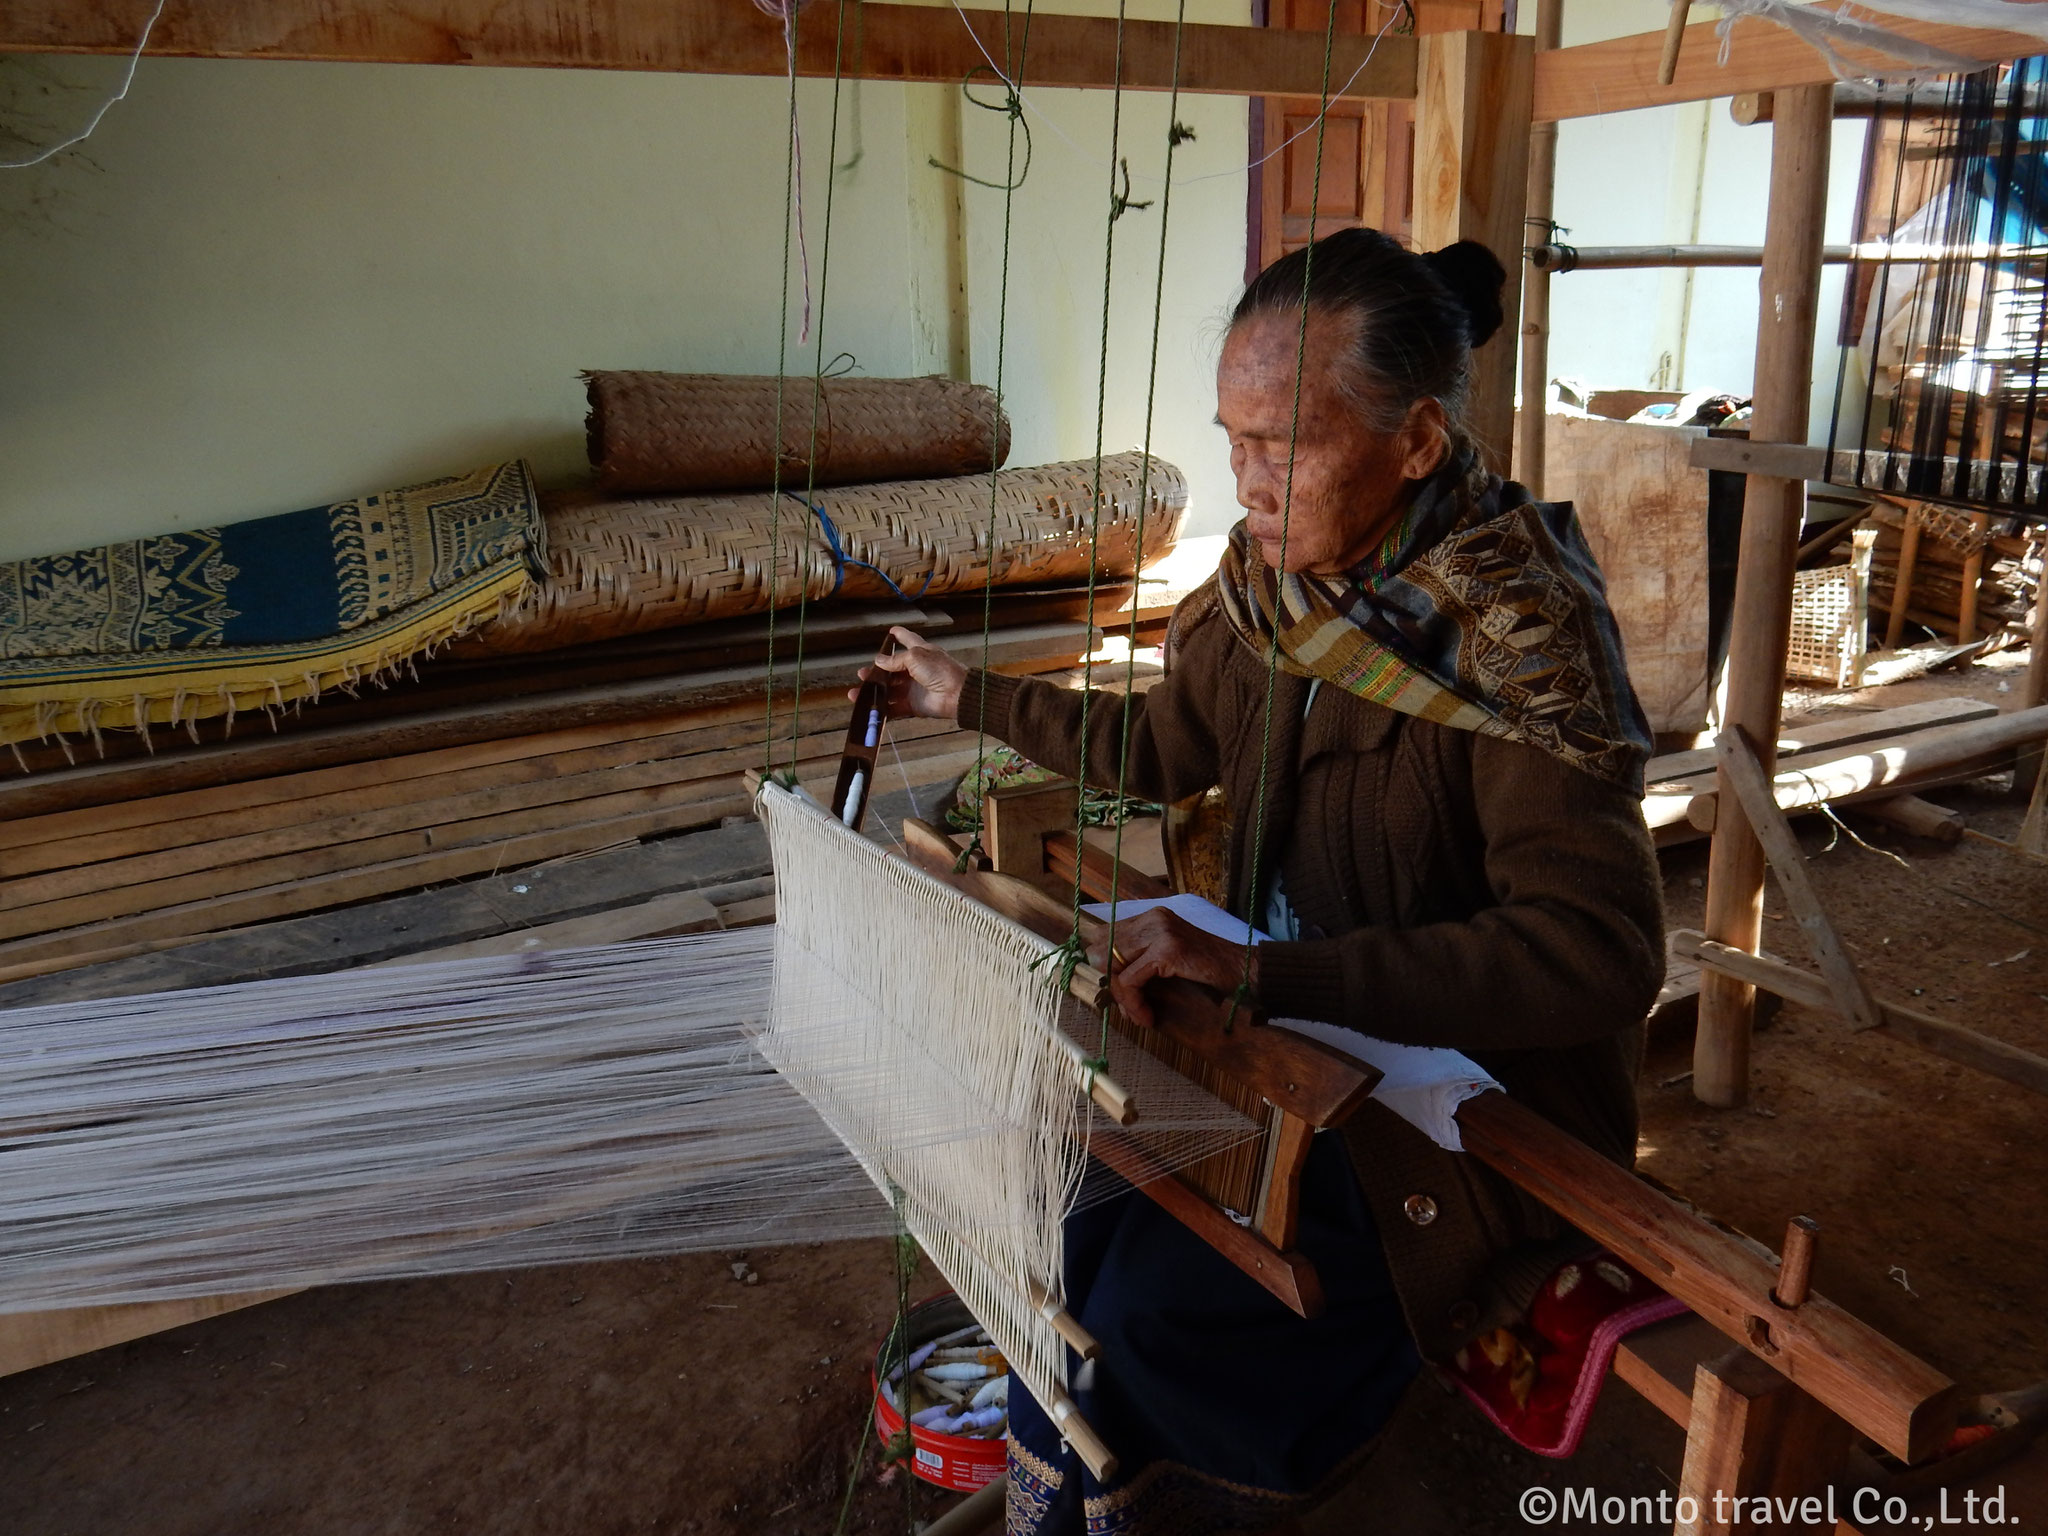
(178, 627)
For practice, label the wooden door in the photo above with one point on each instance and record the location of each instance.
(1368, 146)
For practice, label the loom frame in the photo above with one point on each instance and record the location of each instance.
(1770, 1394)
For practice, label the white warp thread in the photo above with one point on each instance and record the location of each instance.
(468, 1115)
(926, 1032)
(448, 1117)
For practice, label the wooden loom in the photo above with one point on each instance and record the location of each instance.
(1770, 1381)
(1290, 1085)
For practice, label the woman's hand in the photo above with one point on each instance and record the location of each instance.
(922, 679)
(1158, 943)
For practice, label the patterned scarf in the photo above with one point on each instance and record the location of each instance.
(1483, 611)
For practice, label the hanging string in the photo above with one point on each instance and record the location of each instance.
(1177, 133)
(92, 123)
(1013, 178)
(1073, 947)
(1011, 106)
(786, 11)
(1259, 808)
(1314, 125)
(1121, 203)
(803, 594)
(789, 217)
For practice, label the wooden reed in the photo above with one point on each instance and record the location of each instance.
(1235, 1176)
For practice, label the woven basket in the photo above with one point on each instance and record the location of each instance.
(627, 567)
(1831, 619)
(666, 432)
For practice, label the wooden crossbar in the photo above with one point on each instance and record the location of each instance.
(885, 42)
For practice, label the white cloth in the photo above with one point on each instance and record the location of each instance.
(1423, 1084)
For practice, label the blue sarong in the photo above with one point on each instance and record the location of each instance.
(1227, 1411)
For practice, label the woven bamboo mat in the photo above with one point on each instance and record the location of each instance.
(652, 433)
(627, 567)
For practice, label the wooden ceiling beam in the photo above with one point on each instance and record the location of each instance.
(719, 37)
(1620, 74)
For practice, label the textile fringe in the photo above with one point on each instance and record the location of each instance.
(380, 658)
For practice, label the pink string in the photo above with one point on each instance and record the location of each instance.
(786, 11)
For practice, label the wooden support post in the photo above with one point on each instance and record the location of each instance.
(1472, 94)
(2034, 691)
(1795, 1263)
(1753, 1435)
(1937, 1036)
(1902, 578)
(1973, 580)
(1741, 772)
(1014, 822)
(1529, 461)
(1902, 1403)
(1773, 510)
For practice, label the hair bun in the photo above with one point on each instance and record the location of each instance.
(1475, 277)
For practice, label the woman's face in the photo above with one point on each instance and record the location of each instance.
(1348, 479)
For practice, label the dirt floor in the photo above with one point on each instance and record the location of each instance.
(670, 1396)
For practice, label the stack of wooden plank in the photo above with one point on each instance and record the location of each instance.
(1858, 759)
(118, 856)
(1962, 579)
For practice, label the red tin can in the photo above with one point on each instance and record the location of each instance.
(959, 1462)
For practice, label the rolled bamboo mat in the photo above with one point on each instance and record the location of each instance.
(667, 432)
(627, 567)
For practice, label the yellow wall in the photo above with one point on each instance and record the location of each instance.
(265, 285)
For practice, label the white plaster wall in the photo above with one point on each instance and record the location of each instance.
(270, 284)
(264, 285)
(1677, 175)
(1056, 313)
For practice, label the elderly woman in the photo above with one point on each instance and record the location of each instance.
(1446, 760)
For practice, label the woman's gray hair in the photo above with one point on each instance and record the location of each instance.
(1417, 319)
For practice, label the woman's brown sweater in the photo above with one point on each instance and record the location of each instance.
(1467, 892)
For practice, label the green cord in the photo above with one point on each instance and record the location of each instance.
(1011, 106)
(1069, 955)
(775, 453)
(1251, 900)
(1011, 181)
(803, 591)
(1116, 208)
(1175, 135)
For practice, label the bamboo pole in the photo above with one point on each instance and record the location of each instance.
(1530, 464)
(1674, 41)
(1560, 258)
(1773, 510)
